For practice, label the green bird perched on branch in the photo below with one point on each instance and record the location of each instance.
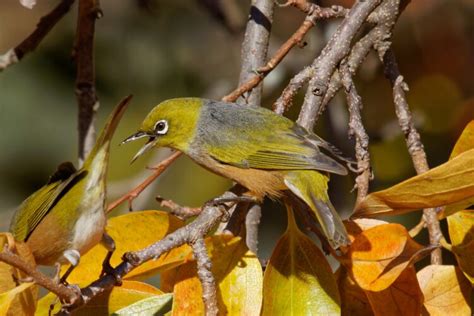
(265, 152)
(66, 217)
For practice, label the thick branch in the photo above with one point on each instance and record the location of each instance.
(324, 66)
(252, 222)
(255, 45)
(29, 44)
(89, 11)
(208, 283)
(188, 234)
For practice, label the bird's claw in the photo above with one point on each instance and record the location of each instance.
(107, 269)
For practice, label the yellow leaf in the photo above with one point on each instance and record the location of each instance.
(106, 304)
(238, 274)
(18, 300)
(132, 231)
(353, 299)
(378, 256)
(402, 297)
(9, 298)
(464, 143)
(461, 233)
(446, 291)
(298, 279)
(446, 184)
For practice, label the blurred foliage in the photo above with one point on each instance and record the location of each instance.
(161, 49)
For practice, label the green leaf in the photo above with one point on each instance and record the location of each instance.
(155, 305)
(298, 278)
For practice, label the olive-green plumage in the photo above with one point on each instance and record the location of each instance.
(265, 152)
(68, 213)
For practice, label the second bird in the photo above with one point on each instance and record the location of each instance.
(265, 152)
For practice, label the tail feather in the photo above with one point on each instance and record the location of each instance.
(110, 127)
(311, 187)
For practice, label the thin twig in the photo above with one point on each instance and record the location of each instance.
(183, 212)
(417, 229)
(65, 293)
(356, 128)
(208, 283)
(414, 144)
(314, 13)
(87, 101)
(29, 44)
(135, 192)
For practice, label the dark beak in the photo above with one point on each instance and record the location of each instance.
(149, 144)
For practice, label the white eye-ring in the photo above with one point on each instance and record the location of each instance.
(161, 127)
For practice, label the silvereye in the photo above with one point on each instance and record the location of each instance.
(265, 152)
(66, 217)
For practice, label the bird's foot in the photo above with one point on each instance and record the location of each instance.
(234, 199)
(107, 269)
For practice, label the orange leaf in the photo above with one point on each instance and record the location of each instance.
(378, 256)
(446, 290)
(461, 232)
(16, 299)
(298, 279)
(132, 231)
(402, 297)
(449, 183)
(238, 274)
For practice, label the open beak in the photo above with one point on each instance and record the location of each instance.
(149, 144)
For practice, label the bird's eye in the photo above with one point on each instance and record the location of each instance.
(161, 127)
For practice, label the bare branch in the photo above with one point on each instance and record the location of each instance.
(89, 11)
(325, 64)
(188, 234)
(414, 144)
(356, 128)
(255, 45)
(183, 212)
(252, 222)
(29, 44)
(314, 14)
(209, 290)
(65, 293)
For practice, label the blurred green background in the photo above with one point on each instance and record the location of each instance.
(161, 49)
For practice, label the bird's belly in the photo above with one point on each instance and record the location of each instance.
(259, 182)
(89, 229)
